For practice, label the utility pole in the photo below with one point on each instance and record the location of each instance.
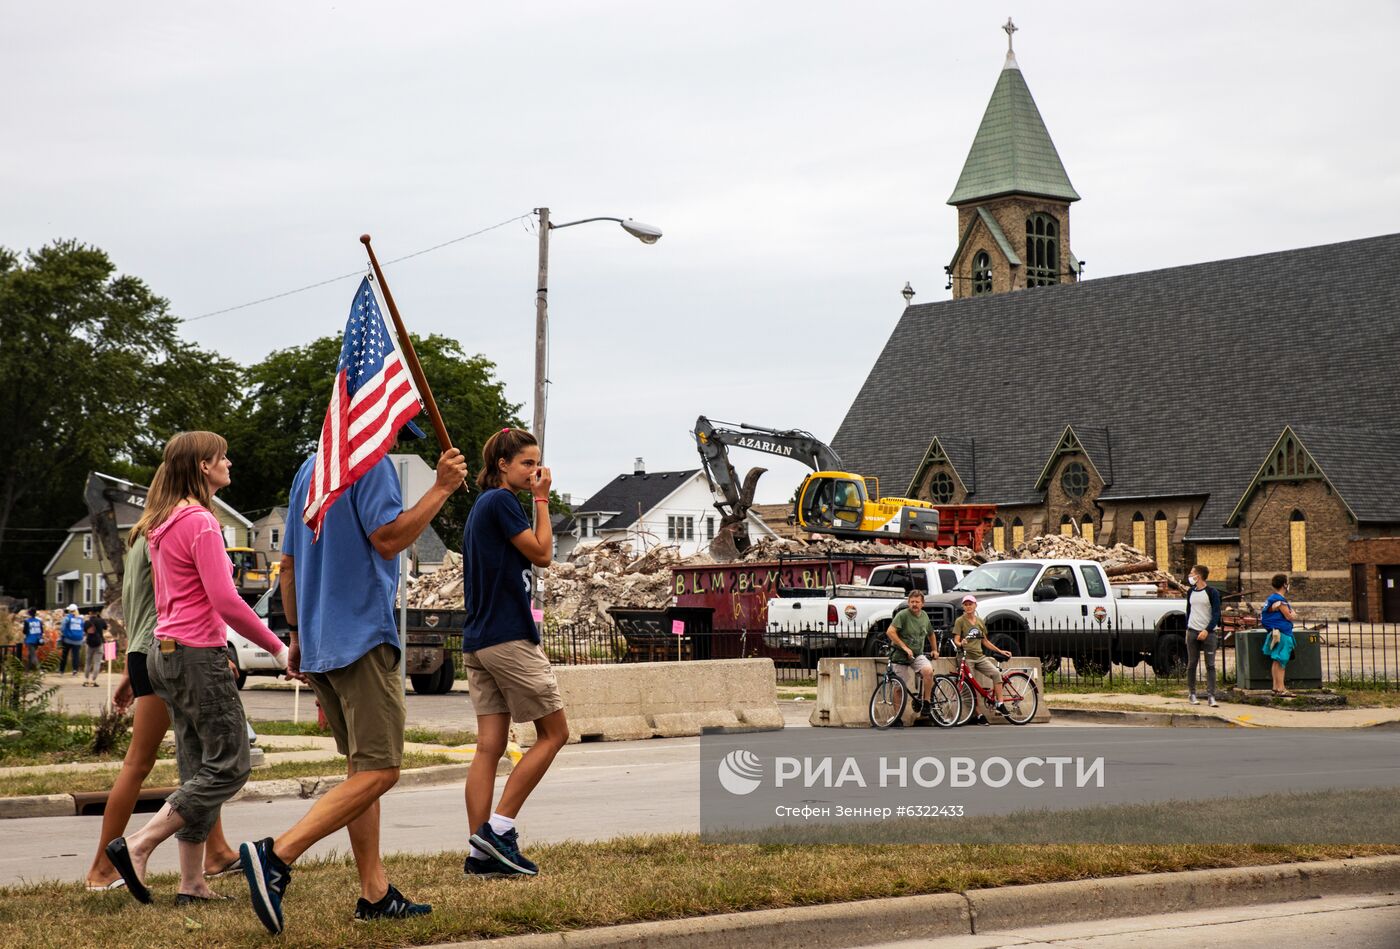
(541, 328)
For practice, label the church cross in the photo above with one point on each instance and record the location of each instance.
(1010, 28)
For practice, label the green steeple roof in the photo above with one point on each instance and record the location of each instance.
(1012, 153)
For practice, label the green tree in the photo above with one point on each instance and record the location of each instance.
(95, 376)
(281, 416)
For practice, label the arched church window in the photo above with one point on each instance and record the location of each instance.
(1139, 532)
(1298, 542)
(1042, 251)
(981, 273)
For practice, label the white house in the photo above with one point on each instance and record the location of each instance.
(647, 509)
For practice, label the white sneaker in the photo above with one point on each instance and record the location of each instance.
(1193, 700)
(1212, 702)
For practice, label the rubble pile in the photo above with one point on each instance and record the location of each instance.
(600, 576)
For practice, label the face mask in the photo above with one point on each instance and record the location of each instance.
(1191, 580)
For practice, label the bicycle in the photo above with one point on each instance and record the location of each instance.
(891, 695)
(1019, 693)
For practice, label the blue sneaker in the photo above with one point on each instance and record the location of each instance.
(267, 879)
(394, 905)
(505, 848)
(486, 868)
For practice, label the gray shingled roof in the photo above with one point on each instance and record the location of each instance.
(1193, 371)
(1012, 152)
(630, 496)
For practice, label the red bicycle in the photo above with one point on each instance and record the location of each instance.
(1019, 693)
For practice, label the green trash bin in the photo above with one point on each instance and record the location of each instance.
(1304, 669)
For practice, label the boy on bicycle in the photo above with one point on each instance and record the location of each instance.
(909, 633)
(970, 635)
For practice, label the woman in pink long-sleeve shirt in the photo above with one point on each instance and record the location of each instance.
(195, 603)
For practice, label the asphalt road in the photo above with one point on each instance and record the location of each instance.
(1356, 922)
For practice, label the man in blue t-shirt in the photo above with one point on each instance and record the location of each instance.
(70, 638)
(33, 639)
(338, 593)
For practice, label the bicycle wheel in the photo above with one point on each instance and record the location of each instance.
(887, 702)
(967, 702)
(1021, 696)
(944, 704)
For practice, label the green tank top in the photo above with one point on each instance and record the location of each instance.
(139, 598)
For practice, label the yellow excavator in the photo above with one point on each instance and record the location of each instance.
(831, 500)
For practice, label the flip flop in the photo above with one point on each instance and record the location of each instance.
(236, 866)
(121, 860)
(185, 899)
(116, 884)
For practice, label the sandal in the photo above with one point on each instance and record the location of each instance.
(1285, 694)
(235, 866)
(185, 899)
(121, 859)
(116, 884)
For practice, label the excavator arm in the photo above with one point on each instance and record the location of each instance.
(733, 498)
(101, 496)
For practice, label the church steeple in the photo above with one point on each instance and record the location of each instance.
(1013, 184)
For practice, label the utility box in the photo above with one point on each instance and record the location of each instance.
(1304, 669)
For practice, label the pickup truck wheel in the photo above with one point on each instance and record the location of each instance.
(1169, 658)
(876, 644)
(424, 683)
(240, 676)
(1006, 641)
(446, 675)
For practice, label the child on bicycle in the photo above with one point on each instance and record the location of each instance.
(909, 633)
(970, 635)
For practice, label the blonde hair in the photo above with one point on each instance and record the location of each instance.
(178, 477)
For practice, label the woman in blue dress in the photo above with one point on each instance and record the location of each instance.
(1277, 617)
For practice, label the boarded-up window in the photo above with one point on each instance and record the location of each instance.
(999, 537)
(1215, 558)
(1066, 528)
(1298, 541)
(1087, 528)
(1163, 549)
(1139, 532)
(1018, 533)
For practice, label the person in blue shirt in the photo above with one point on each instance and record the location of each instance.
(338, 595)
(508, 674)
(70, 638)
(33, 639)
(1278, 617)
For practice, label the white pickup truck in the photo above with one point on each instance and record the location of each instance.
(852, 618)
(1056, 608)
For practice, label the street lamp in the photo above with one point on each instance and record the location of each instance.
(642, 232)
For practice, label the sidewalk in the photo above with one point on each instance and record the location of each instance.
(1128, 708)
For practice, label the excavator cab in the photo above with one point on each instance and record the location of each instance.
(831, 500)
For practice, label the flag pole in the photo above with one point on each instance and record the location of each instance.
(411, 357)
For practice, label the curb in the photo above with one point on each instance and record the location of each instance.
(987, 910)
(1106, 716)
(64, 805)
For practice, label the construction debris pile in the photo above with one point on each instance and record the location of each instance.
(600, 576)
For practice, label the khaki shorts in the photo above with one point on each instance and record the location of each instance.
(363, 703)
(908, 672)
(987, 666)
(513, 677)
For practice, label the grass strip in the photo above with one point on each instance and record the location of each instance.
(582, 885)
(165, 775)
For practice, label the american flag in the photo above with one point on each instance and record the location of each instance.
(373, 397)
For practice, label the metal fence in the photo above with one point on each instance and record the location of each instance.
(1354, 655)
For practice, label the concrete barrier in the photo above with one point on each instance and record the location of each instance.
(844, 686)
(664, 699)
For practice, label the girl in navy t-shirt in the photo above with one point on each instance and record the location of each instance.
(508, 673)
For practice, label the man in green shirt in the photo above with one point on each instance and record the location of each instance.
(970, 634)
(909, 634)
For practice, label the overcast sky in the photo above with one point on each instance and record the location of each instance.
(798, 156)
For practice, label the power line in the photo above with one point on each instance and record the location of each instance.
(355, 273)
